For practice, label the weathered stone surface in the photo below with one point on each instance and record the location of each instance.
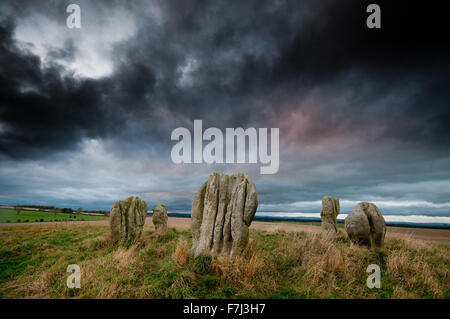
(329, 212)
(159, 218)
(366, 225)
(126, 219)
(222, 211)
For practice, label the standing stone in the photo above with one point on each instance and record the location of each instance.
(329, 212)
(160, 219)
(221, 214)
(366, 225)
(127, 220)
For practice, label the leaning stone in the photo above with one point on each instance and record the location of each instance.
(159, 218)
(329, 212)
(127, 218)
(366, 225)
(221, 214)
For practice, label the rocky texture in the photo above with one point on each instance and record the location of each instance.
(127, 218)
(160, 219)
(329, 212)
(366, 225)
(222, 211)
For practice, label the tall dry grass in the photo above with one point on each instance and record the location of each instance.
(181, 253)
(248, 265)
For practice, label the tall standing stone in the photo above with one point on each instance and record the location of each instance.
(127, 218)
(221, 214)
(159, 218)
(366, 225)
(329, 212)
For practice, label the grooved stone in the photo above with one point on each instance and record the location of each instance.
(222, 211)
(159, 219)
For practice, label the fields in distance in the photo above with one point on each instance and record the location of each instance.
(11, 216)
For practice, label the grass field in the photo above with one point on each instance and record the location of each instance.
(11, 216)
(33, 263)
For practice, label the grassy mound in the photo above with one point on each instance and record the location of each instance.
(33, 263)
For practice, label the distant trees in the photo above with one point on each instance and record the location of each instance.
(66, 210)
(79, 210)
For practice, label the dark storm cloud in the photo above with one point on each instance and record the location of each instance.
(405, 60)
(66, 53)
(243, 51)
(46, 109)
(336, 39)
(249, 50)
(41, 110)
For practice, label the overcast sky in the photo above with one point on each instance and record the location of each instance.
(86, 114)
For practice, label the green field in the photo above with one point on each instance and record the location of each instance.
(26, 216)
(34, 260)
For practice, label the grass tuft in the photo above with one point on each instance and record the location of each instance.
(181, 253)
(202, 264)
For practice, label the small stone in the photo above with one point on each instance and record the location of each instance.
(329, 212)
(160, 218)
(127, 218)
